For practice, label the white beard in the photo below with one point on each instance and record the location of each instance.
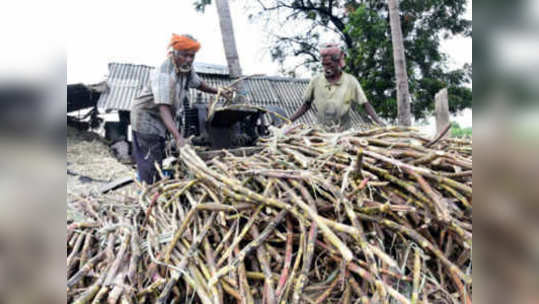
(185, 68)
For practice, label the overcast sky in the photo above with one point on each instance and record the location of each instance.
(138, 32)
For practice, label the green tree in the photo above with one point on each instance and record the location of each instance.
(458, 131)
(299, 26)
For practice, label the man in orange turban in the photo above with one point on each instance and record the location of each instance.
(183, 49)
(184, 43)
(154, 111)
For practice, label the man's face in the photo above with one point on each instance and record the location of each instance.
(330, 64)
(184, 60)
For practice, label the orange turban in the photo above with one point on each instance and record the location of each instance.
(184, 43)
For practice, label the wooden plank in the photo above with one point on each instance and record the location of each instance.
(442, 110)
(116, 184)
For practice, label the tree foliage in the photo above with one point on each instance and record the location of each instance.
(299, 26)
(458, 131)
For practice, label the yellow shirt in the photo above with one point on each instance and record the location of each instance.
(332, 102)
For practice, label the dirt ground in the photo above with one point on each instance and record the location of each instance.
(90, 164)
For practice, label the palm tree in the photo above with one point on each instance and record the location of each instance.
(229, 42)
(403, 94)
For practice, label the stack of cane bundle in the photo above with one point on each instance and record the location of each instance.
(377, 216)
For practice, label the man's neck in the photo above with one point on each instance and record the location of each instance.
(335, 78)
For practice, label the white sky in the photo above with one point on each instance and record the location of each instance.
(100, 32)
(38, 36)
(459, 48)
(138, 32)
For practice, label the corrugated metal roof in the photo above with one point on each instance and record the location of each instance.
(126, 81)
(208, 68)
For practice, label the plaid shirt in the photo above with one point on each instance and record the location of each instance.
(165, 86)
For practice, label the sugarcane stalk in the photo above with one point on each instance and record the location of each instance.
(239, 192)
(464, 297)
(202, 289)
(203, 296)
(284, 296)
(357, 290)
(245, 291)
(84, 251)
(423, 171)
(210, 259)
(424, 243)
(76, 249)
(149, 210)
(85, 269)
(377, 192)
(266, 269)
(117, 262)
(90, 293)
(274, 254)
(163, 297)
(288, 259)
(458, 196)
(330, 235)
(255, 275)
(230, 290)
(117, 290)
(228, 235)
(307, 260)
(416, 276)
(242, 234)
(347, 295)
(248, 248)
(322, 298)
(152, 288)
(124, 299)
(185, 224)
(439, 206)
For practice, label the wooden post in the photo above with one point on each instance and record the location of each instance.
(442, 110)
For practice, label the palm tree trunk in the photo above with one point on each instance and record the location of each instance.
(403, 94)
(229, 43)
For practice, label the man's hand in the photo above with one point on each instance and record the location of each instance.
(370, 110)
(180, 142)
(227, 93)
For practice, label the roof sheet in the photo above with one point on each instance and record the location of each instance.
(126, 81)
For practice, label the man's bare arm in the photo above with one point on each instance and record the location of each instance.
(166, 116)
(304, 108)
(204, 87)
(372, 113)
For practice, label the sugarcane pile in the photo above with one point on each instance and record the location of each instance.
(377, 216)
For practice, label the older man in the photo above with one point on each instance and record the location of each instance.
(334, 91)
(153, 111)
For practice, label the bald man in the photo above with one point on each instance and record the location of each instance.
(333, 92)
